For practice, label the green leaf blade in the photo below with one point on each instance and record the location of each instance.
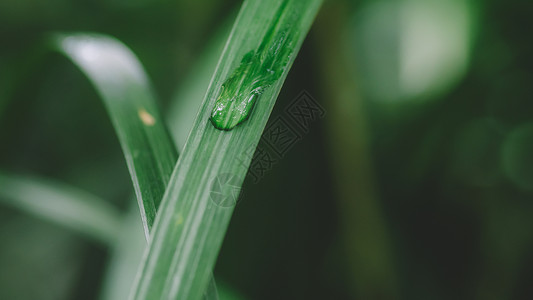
(189, 230)
(125, 90)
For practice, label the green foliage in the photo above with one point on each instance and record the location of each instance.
(123, 86)
(189, 230)
(415, 184)
(119, 78)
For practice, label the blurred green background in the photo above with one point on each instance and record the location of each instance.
(417, 184)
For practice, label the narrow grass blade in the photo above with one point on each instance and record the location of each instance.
(191, 225)
(125, 90)
(211, 290)
(61, 204)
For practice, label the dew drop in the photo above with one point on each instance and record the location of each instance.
(258, 70)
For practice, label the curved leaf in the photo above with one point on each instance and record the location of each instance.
(125, 90)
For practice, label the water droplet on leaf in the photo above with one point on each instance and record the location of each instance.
(258, 70)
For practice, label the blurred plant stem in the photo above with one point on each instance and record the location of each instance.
(61, 204)
(126, 256)
(503, 246)
(363, 224)
(187, 99)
